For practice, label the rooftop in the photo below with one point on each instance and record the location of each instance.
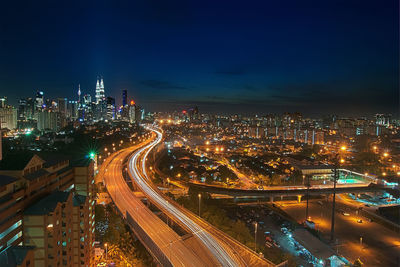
(14, 256)
(15, 160)
(36, 174)
(78, 200)
(47, 204)
(316, 247)
(5, 179)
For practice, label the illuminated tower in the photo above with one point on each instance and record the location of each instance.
(79, 94)
(100, 96)
(97, 96)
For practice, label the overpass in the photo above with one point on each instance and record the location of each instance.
(226, 250)
(162, 242)
(282, 191)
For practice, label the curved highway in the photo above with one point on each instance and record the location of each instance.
(217, 243)
(171, 245)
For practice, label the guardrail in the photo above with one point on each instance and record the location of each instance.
(146, 240)
(379, 219)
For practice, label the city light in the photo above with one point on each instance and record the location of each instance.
(92, 155)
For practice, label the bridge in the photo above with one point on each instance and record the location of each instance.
(282, 191)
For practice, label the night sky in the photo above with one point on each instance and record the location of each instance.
(315, 57)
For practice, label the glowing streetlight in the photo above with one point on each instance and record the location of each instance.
(341, 160)
(385, 154)
(199, 195)
(343, 148)
(255, 236)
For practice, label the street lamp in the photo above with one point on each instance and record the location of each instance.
(335, 177)
(106, 245)
(255, 236)
(199, 195)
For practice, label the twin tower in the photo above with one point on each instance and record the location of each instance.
(100, 90)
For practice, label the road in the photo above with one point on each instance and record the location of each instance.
(166, 239)
(227, 251)
(378, 247)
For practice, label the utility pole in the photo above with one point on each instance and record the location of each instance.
(335, 178)
(255, 237)
(199, 195)
(308, 194)
(334, 200)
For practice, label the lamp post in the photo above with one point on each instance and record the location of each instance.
(335, 177)
(255, 236)
(106, 245)
(308, 194)
(199, 195)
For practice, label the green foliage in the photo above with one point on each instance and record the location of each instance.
(122, 244)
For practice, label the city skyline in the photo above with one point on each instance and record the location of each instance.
(340, 58)
(200, 133)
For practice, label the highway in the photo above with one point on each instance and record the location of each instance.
(170, 243)
(225, 250)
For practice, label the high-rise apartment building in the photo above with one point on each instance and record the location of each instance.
(45, 202)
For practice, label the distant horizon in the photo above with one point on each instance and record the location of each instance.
(326, 57)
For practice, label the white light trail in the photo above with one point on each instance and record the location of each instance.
(215, 248)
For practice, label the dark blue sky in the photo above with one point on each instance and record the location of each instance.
(224, 56)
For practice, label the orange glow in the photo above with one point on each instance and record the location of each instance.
(132, 102)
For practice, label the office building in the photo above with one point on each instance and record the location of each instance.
(49, 120)
(8, 117)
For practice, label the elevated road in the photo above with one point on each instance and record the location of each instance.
(227, 251)
(279, 191)
(165, 244)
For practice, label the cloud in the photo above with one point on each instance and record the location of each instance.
(231, 72)
(159, 84)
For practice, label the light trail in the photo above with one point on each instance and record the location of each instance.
(224, 258)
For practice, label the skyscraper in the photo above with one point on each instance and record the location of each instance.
(39, 101)
(99, 91)
(124, 98)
